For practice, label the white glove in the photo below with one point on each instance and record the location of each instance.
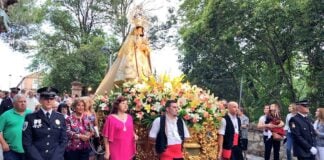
(313, 150)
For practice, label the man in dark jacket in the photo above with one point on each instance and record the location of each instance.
(303, 133)
(229, 135)
(6, 103)
(44, 132)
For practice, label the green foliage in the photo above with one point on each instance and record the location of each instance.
(25, 20)
(274, 45)
(73, 50)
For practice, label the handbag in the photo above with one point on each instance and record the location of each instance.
(276, 136)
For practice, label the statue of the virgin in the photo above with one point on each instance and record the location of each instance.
(133, 61)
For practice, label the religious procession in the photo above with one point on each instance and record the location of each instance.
(251, 87)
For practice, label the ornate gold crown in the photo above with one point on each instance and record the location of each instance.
(138, 17)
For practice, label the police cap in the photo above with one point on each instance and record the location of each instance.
(14, 90)
(304, 103)
(47, 92)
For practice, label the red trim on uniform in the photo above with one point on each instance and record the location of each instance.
(227, 153)
(236, 139)
(172, 151)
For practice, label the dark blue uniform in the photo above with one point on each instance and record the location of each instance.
(303, 134)
(6, 104)
(43, 138)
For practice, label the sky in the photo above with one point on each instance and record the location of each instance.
(13, 64)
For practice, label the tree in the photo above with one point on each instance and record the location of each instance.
(257, 40)
(72, 51)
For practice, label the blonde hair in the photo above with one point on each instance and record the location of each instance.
(320, 114)
(293, 107)
(275, 113)
(76, 102)
(88, 103)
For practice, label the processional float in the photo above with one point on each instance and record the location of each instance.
(131, 76)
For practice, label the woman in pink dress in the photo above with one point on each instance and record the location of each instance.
(118, 132)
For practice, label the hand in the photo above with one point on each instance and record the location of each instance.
(5, 147)
(106, 156)
(313, 150)
(220, 153)
(84, 137)
(270, 125)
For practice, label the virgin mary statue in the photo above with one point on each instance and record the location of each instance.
(133, 61)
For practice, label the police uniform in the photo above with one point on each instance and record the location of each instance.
(303, 135)
(45, 138)
(6, 103)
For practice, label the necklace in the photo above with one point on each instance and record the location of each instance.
(124, 129)
(123, 119)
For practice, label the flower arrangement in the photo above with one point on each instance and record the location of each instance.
(146, 100)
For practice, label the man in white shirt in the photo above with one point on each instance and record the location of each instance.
(229, 134)
(169, 132)
(32, 101)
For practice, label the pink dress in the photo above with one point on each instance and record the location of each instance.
(121, 137)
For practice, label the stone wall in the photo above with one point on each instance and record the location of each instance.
(256, 146)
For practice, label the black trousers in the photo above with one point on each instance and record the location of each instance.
(237, 153)
(268, 145)
(309, 158)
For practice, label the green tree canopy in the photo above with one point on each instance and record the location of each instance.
(262, 41)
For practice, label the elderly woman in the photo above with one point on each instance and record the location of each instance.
(79, 132)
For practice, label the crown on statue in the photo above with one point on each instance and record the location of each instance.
(138, 17)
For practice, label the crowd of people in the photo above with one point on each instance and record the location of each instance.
(47, 127)
(43, 126)
(300, 134)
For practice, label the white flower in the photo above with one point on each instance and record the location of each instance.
(185, 87)
(167, 87)
(157, 106)
(102, 106)
(139, 87)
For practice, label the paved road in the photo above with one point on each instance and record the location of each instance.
(253, 157)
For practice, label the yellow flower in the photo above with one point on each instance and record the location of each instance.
(147, 108)
(194, 103)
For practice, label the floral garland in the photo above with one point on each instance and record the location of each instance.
(147, 98)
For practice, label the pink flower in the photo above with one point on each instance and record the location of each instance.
(139, 115)
(138, 102)
(206, 114)
(103, 99)
(149, 99)
(163, 102)
(186, 117)
(126, 90)
(194, 120)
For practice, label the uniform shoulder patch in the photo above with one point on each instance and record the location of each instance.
(25, 125)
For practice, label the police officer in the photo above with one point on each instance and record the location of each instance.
(44, 132)
(303, 133)
(6, 103)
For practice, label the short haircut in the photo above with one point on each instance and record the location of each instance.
(169, 102)
(17, 97)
